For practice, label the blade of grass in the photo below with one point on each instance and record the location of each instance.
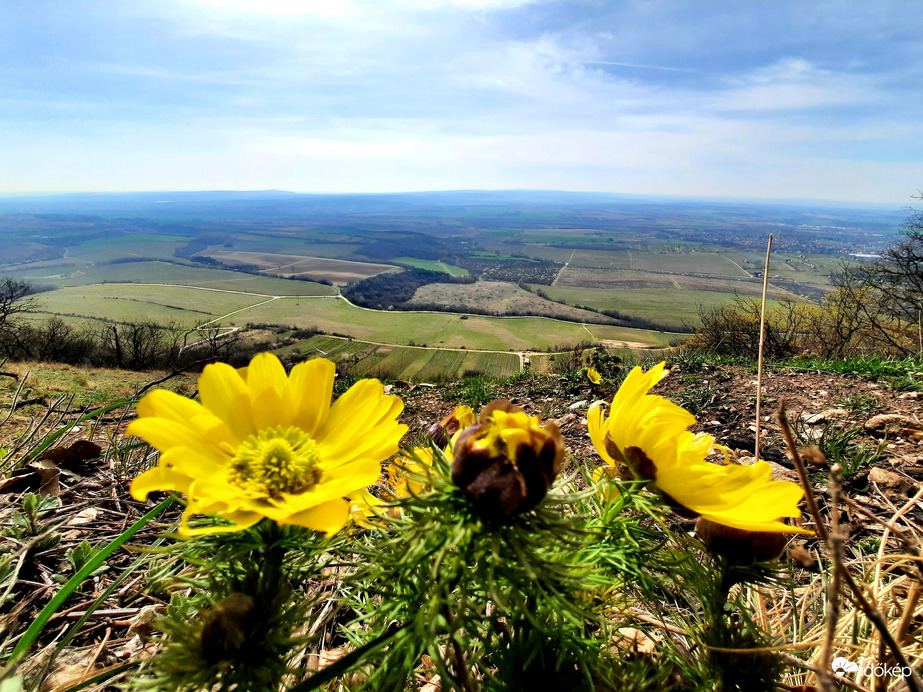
(75, 628)
(353, 658)
(75, 581)
(49, 439)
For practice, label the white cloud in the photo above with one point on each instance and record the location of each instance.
(279, 9)
(794, 84)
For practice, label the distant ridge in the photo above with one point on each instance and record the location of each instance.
(204, 201)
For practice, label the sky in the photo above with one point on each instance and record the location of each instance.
(801, 99)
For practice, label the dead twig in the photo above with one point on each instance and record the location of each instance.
(856, 594)
(759, 359)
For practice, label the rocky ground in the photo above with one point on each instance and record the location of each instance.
(878, 429)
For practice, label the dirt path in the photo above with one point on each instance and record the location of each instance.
(561, 270)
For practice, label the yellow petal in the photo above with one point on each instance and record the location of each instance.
(744, 497)
(311, 384)
(363, 415)
(596, 423)
(270, 400)
(464, 415)
(166, 434)
(328, 517)
(157, 479)
(162, 403)
(241, 521)
(225, 394)
(363, 508)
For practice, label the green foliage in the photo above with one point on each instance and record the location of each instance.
(859, 405)
(537, 600)
(28, 524)
(473, 391)
(899, 373)
(839, 445)
(700, 398)
(245, 616)
(80, 555)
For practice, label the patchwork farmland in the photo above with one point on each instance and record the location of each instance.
(414, 277)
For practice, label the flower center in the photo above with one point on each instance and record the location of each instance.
(276, 461)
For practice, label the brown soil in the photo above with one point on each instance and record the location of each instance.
(96, 505)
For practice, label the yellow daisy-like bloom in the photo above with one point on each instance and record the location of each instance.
(648, 435)
(266, 444)
(593, 375)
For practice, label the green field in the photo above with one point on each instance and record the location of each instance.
(655, 304)
(187, 304)
(100, 250)
(431, 265)
(132, 302)
(437, 329)
(405, 362)
(171, 273)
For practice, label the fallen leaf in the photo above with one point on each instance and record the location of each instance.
(75, 456)
(84, 516)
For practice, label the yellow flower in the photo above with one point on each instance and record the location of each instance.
(593, 376)
(648, 435)
(263, 444)
(449, 427)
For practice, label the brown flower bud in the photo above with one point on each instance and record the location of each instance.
(228, 627)
(739, 546)
(443, 431)
(506, 462)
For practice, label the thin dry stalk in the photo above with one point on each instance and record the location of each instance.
(855, 592)
(759, 358)
(833, 586)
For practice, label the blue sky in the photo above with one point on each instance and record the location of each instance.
(731, 98)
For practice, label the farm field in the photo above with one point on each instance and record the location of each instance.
(439, 329)
(405, 362)
(584, 277)
(336, 271)
(647, 303)
(430, 265)
(171, 273)
(498, 296)
(191, 305)
(102, 250)
(132, 302)
(295, 246)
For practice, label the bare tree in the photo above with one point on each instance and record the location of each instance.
(14, 300)
(889, 291)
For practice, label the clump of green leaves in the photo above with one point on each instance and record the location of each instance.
(840, 445)
(859, 405)
(28, 524)
(244, 619)
(700, 398)
(473, 391)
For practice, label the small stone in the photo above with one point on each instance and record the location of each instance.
(888, 479)
(894, 424)
(911, 395)
(635, 641)
(582, 404)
